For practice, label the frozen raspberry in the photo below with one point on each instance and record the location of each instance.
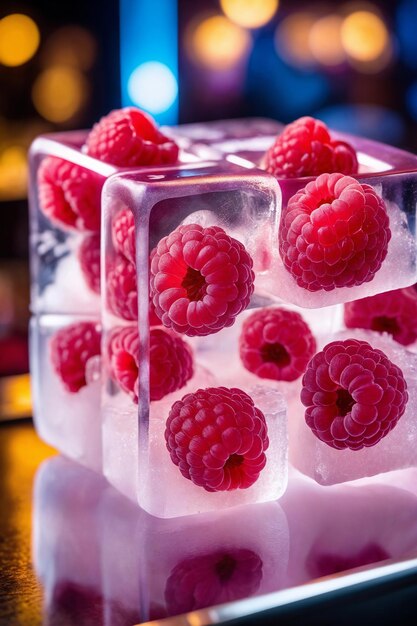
(353, 393)
(305, 148)
(121, 288)
(127, 138)
(218, 438)
(334, 233)
(228, 575)
(170, 359)
(70, 349)
(276, 343)
(393, 312)
(201, 279)
(69, 195)
(123, 234)
(89, 258)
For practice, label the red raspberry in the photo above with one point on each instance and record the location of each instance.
(218, 438)
(121, 288)
(276, 343)
(123, 234)
(201, 279)
(353, 393)
(393, 312)
(69, 195)
(334, 233)
(305, 148)
(89, 258)
(228, 575)
(70, 349)
(129, 137)
(170, 358)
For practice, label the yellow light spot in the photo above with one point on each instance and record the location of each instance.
(59, 93)
(218, 43)
(326, 42)
(250, 13)
(364, 36)
(19, 39)
(13, 173)
(70, 45)
(292, 38)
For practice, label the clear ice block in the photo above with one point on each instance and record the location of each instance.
(397, 450)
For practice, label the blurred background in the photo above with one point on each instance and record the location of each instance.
(64, 64)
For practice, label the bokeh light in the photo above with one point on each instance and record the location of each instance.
(292, 38)
(70, 45)
(59, 92)
(153, 87)
(13, 172)
(367, 120)
(364, 36)
(19, 39)
(411, 100)
(250, 13)
(325, 40)
(218, 43)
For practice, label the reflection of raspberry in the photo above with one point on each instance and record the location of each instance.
(327, 563)
(393, 312)
(218, 438)
(276, 343)
(170, 358)
(334, 233)
(353, 393)
(127, 138)
(123, 234)
(201, 279)
(305, 148)
(70, 349)
(121, 287)
(89, 258)
(69, 195)
(228, 575)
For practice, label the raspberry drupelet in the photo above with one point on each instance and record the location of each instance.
(69, 195)
(121, 289)
(123, 234)
(129, 137)
(276, 343)
(354, 395)
(393, 312)
(334, 233)
(217, 437)
(70, 348)
(200, 279)
(170, 361)
(305, 148)
(89, 258)
(228, 574)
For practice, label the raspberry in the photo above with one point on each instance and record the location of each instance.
(170, 358)
(305, 148)
(228, 575)
(70, 349)
(123, 234)
(69, 195)
(218, 438)
(122, 294)
(353, 393)
(393, 312)
(334, 233)
(276, 343)
(329, 563)
(201, 279)
(127, 138)
(89, 258)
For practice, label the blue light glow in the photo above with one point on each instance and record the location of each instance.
(411, 99)
(406, 31)
(149, 57)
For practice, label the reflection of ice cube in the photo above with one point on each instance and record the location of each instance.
(395, 451)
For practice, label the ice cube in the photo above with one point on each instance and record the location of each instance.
(396, 450)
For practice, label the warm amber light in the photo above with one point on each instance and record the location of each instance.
(15, 397)
(218, 43)
(13, 173)
(326, 42)
(59, 93)
(19, 39)
(292, 38)
(70, 45)
(364, 36)
(250, 13)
